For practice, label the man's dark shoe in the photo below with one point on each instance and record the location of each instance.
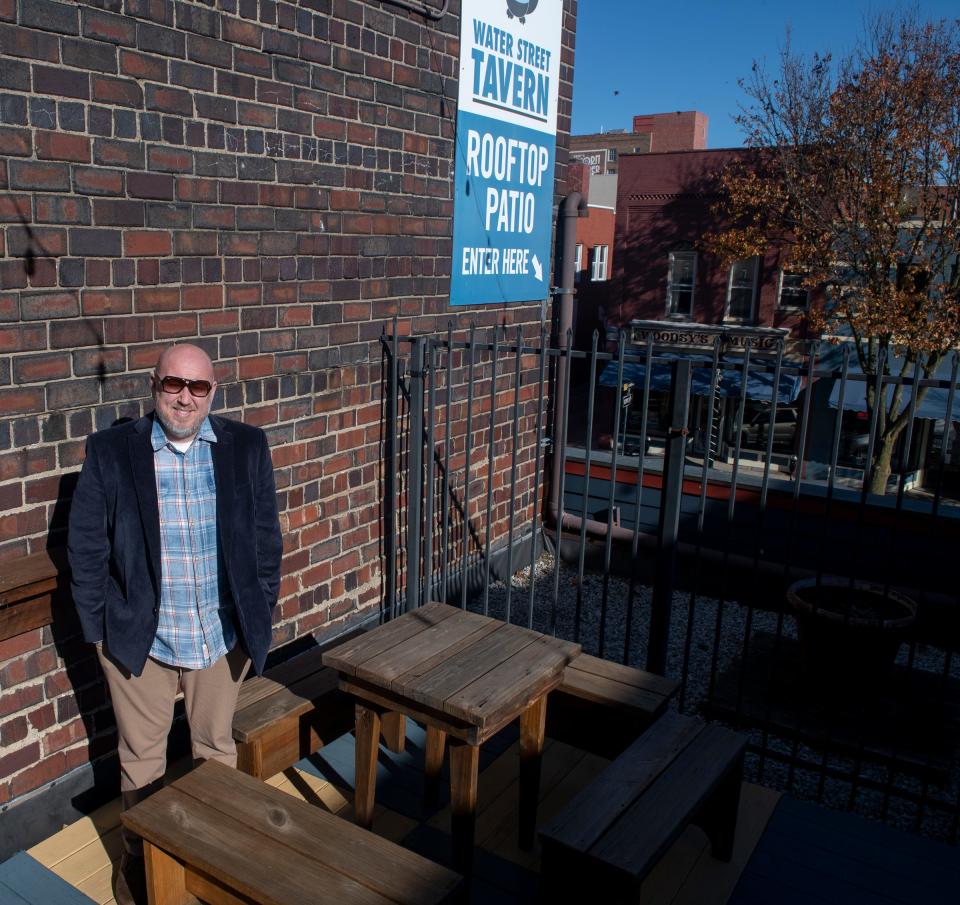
(130, 883)
(130, 880)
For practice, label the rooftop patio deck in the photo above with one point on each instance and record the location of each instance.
(785, 851)
(83, 853)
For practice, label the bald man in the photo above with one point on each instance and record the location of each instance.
(175, 548)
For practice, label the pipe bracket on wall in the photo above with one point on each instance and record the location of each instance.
(424, 9)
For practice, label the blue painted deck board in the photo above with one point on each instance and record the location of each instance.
(874, 838)
(9, 897)
(25, 880)
(917, 862)
(810, 854)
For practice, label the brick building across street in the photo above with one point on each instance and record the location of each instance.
(661, 269)
(593, 173)
(650, 133)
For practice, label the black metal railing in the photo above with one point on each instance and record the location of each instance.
(661, 523)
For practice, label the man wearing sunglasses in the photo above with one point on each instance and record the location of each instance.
(175, 551)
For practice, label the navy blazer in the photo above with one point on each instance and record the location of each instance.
(114, 538)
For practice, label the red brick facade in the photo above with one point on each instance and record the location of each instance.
(597, 229)
(593, 231)
(650, 133)
(680, 131)
(600, 155)
(663, 206)
(270, 180)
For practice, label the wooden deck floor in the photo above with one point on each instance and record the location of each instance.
(83, 853)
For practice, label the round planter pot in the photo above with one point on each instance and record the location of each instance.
(849, 634)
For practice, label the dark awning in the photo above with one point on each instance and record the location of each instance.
(933, 405)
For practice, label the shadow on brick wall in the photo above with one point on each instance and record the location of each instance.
(89, 703)
(81, 674)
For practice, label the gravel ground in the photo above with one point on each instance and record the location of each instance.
(816, 774)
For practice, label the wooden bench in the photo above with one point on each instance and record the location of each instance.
(290, 712)
(609, 837)
(601, 706)
(227, 838)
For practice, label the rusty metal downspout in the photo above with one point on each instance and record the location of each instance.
(572, 207)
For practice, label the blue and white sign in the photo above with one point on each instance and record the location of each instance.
(506, 149)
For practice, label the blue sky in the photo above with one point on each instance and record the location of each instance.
(689, 54)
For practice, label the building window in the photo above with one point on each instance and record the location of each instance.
(681, 281)
(612, 155)
(598, 263)
(913, 278)
(792, 292)
(577, 263)
(742, 289)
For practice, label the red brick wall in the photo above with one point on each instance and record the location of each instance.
(664, 204)
(578, 179)
(271, 180)
(597, 228)
(681, 131)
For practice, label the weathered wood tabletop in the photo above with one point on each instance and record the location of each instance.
(221, 835)
(465, 676)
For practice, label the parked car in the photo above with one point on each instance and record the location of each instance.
(754, 433)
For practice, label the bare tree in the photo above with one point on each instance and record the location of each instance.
(855, 176)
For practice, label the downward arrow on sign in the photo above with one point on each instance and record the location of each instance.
(537, 268)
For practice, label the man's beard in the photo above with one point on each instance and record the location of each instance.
(176, 432)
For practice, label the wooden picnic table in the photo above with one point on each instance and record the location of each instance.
(465, 676)
(226, 837)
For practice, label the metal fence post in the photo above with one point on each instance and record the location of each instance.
(669, 524)
(415, 473)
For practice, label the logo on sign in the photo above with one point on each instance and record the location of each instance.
(515, 8)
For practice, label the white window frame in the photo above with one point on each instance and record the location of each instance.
(577, 262)
(755, 270)
(599, 256)
(673, 286)
(789, 305)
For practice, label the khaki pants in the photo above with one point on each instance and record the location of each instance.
(143, 707)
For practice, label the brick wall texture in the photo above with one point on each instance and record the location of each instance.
(680, 131)
(270, 180)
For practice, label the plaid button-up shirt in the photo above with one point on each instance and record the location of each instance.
(196, 622)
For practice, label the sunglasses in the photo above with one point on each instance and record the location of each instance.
(175, 385)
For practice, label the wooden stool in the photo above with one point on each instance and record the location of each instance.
(680, 771)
